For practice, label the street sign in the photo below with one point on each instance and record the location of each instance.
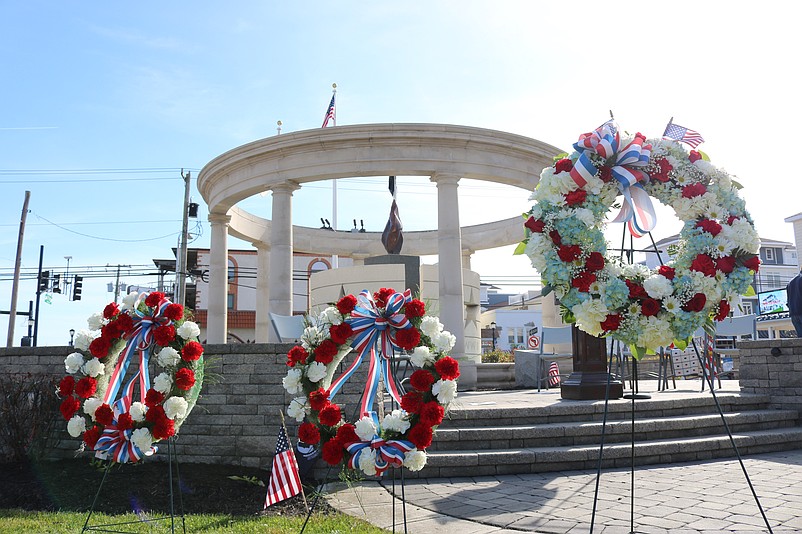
(533, 342)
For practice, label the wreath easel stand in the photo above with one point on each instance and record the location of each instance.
(174, 483)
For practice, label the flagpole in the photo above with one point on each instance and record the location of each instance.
(334, 259)
(292, 448)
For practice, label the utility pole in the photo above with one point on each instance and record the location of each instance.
(38, 294)
(181, 260)
(15, 284)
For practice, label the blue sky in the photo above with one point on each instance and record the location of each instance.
(149, 88)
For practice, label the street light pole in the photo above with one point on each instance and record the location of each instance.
(493, 326)
(181, 260)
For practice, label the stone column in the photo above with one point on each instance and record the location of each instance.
(280, 264)
(262, 292)
(449, 244)
(217, 315)
(466, 258)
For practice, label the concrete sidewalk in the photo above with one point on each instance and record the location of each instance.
(701, 497)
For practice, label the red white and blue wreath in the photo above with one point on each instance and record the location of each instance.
(98, 402)
(714, 261)
(376, 326)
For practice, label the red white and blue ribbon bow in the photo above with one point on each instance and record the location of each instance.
(391, 452)
(637, 210)
(116, 444)
(374, 328)
(138, 344)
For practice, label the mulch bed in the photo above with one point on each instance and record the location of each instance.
(71, 485)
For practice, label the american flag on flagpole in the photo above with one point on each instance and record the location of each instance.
(285, 481)
(554, 374)
(710, 360)
(331, 113)
(682, 134)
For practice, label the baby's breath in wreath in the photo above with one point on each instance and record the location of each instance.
(714, 261)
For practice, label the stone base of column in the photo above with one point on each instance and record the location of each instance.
(411, 269)
(467, 375)
(590, 386)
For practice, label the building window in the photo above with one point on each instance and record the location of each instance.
(232, 270)
(230, 301)
(770, 255)
(746, 307)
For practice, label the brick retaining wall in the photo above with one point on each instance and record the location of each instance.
(778, 375)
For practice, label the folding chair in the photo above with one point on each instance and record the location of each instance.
(552, 335)
(288, 328)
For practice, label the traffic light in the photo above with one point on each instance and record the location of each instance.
(76, 287)
(44, 281)
(56, 281)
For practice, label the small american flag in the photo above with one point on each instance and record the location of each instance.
(710, 360)
(554, 374)
(685, 135)
(331, 113)
(285, 481)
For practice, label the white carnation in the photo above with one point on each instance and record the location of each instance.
(297, 408)
(444, 341)
(168, 357)
(430, 326)
(658, 286)
(332, 315)
(586, 216)
(421, 356)
(129, 301)
(188, 330)
(74, 362)
(176, 407)
(93, 368)
(365, 428)
(415, 460)
(445, 391)
(76, 426)
(396, 421)
(163, 383)
(589, 316)
(367, 461)
(137, 411)
(91, 405)
(95, 321)
(292, 382)
(83, 338)
(316, 372)
(311, 337)
(142, 439)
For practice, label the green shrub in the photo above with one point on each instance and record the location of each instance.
(28, 416)
(498, 356)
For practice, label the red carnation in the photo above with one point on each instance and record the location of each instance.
(563, 165)
(86, 387)
(583, 280)
(99, 347)
(421, 436)
(381, 296)
(605, 173)
(297, 354)
(447, 367)
(408, 338)
(104, 415)
(110, 310)
(412, 401)
(154, 298)
(576, 197)
(667, 271)
(125, 422)
(612, 322)
(650, 307)
(340, 333)
(662, 174)
(330, 415)
(91, 436)
(164, 335)
(318, 399)
(346, 434)
(569, 253)
(308, 433)
(535, 225)
(555, 237)
(325, 352)
(68, 407)
(636, 290)
(185, 379)
(725, 264)
(421, 380)
(124, 323)
(752, 263)
(432, 413)
(174, 312)
(415, 308)
(346, 304)
(710, 226)
(155, 414)
(164, 428)
(595, 261)
(694, 190)
(66, 386)
(731, 219)
(696, 304)
(723, 311)
(153, 397)
(704, 264)
(332, 452)
(192, 351)
(694, 156)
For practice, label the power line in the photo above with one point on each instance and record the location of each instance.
(106, 238)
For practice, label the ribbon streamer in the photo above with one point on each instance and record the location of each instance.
(391, 452)
(116, 443)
